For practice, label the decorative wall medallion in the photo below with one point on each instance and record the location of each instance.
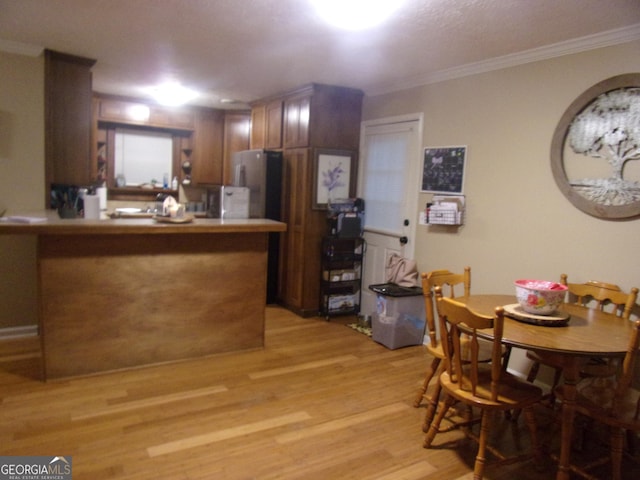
(595, 151)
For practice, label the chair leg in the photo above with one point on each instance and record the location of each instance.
(530, 421)
(435, 363)
(485, 427)
(506, 358)
(434, 429)
(632, 442)
(431, 408)
(556, 381)
(533, 372)
(617, 440)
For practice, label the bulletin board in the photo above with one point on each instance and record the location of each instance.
(443, 169)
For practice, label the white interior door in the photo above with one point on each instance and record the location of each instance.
(389, 184)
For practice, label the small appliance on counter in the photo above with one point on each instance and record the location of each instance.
(234, 202)
(346, 217)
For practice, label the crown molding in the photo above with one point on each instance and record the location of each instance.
(20, 48)
(577, 45)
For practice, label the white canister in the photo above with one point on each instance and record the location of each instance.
(92, 207)
(102, 195)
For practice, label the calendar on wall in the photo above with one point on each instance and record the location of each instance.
(443, 169)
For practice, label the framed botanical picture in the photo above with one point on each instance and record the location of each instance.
(443, 169)
(334, 176)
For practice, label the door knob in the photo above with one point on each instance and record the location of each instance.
(404, 240)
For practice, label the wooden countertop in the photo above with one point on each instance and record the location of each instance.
(57, 226)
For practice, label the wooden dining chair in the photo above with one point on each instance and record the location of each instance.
(486, 387)
(613, 403)
(593, 294)
(431, 280)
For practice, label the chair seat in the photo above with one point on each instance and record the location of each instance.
(598, 367)
(436, 351)
(484, 355)
(595, 395)
(511, 391)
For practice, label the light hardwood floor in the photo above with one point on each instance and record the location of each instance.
(320, 401)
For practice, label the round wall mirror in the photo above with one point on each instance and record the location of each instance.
(595, 151)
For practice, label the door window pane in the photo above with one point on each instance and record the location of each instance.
(384, 180)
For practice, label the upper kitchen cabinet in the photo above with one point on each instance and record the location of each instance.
(68, 113)
(266, 125)
(130, 112)
(237, 126)
(323, 116)
(208, 139)
(296, 120)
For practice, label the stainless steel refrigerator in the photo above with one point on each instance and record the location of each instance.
(261, 172)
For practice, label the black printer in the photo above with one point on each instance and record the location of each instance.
(346, 217)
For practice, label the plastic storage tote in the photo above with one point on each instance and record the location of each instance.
(399, 320)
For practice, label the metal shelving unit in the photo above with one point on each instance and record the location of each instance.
(340, 286)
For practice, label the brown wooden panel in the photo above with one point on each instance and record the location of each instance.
(68, 110)
(274, 124)
(236, 139)
(207, 148)
(130, 111)
(258, 126)
(113, 302)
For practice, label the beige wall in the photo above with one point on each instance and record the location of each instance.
(21, 181)
(518, 224)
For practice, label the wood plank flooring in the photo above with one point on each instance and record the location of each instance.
(320, 401)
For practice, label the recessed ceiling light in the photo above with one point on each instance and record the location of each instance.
(356, 14)
(172, 94)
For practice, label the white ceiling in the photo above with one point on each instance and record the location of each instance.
(248, 49)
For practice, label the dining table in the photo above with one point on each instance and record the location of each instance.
(586, 334)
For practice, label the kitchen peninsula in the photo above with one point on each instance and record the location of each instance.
(123, 293)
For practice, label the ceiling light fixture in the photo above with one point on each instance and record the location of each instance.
(172, 94)
(356, 14)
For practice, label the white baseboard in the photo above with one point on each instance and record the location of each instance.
(18, 332)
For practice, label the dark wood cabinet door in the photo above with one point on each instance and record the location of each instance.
(266, 125)
(68, 113)
(130, 112)
(257, 138)
(292, 253)
(236, 139)
(208, 139)
(296, 121)
(273, 131)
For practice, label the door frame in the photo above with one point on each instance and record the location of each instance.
(412, 196)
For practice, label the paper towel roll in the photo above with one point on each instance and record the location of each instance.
(92, 207)
(102, 194)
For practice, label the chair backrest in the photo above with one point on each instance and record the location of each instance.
(462, 357)
(606, 296)
(441, 278)
(628, 365)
